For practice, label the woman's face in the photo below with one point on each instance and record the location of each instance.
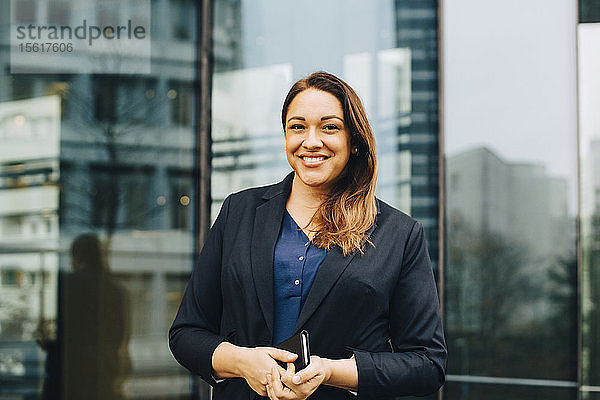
(317, 142)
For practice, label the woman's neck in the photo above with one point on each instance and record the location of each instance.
(303, 203)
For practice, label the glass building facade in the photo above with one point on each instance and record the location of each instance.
(114, 162)
(511, 184)
(589, 162)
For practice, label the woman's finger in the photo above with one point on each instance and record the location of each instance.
(280, 369)
(269, 387)
(303, 383)
(289, 372)
(282, 355)
(276, 385)
(308, 373)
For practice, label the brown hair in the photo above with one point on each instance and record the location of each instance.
(347, 214)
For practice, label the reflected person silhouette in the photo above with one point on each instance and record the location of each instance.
(95, 326)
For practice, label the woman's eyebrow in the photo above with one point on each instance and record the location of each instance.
(297, 117)
(330, 117)
(322, 118)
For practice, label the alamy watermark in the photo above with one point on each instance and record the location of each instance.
(108, 36)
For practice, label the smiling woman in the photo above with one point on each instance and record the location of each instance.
(331, 148)
(293, 256)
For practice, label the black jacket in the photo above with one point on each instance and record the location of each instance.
(381, 306)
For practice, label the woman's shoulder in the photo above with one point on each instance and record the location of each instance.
(388, 212)
(253, 194)
(248, 194)
(257, 195)
(396, 222)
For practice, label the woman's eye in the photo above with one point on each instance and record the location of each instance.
(331, 127)
(296, 127)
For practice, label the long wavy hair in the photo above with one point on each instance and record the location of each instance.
(344, 218)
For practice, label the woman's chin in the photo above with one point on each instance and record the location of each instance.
(314, 182)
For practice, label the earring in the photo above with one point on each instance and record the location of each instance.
(355, 150)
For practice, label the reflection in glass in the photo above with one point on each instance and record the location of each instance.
(511, 305)
(589, 122)
(589, 11)
(458, 391)
(29, 196)
(511, 274)
(94, 329)
(110, 155)
(386, 50)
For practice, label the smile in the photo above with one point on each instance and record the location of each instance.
(313, 159)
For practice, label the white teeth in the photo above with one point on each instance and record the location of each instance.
(312, 159)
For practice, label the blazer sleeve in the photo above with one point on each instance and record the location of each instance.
(418, 362)
(194, 335)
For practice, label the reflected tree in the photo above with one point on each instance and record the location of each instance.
(561, 342)
(111, 189)
(502, 319)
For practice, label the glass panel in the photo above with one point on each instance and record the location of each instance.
(386, 50)
(474, 391)
(96, 197)
(511, 189)
(590, 395)
(589, 123)
(589, 11)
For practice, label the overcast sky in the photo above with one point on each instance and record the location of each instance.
(510, 80)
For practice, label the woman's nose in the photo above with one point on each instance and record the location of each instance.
(312, 139)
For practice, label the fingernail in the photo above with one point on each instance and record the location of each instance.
(296, 379)
(269, 377)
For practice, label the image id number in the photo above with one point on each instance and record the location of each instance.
(46, 47)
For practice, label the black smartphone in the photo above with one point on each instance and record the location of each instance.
(297, 344)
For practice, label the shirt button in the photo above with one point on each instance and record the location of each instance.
(297, 282)
(301, 258)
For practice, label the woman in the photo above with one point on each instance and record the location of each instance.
(315, 252)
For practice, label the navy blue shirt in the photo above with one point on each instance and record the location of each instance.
(295, 265)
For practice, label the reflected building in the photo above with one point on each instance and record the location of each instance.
(495, 204)
(521, 202)
(507, 221)
(110, 154)
(417, 29)
(29, 230)
(29, 192)
(388, 53)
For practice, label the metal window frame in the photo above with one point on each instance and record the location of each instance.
(202, 145)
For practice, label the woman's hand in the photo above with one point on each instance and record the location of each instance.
(260, 361)
(297, 386)
(252, 364)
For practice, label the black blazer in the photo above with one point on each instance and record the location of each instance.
(382, 306)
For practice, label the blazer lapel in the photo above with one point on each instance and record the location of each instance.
(267, 224)
(333, 266)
